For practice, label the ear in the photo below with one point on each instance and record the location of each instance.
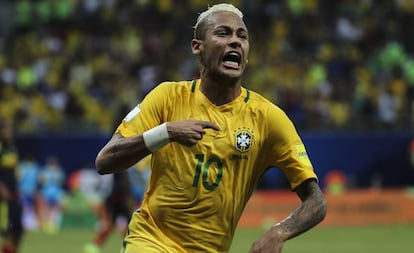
(196, 46)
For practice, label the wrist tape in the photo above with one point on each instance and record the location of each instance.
(156, 137)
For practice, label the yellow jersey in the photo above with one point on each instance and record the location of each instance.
(197, 194)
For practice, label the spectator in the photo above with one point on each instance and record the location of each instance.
(61, 65)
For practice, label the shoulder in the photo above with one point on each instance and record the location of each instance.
(175, 86)
(166, 91)
(260, 103)
(274, 118)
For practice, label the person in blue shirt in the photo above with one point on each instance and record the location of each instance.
(28, 174)
(52, 181)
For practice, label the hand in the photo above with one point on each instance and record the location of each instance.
(269, 242)
(189, 132)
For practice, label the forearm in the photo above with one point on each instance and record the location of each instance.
(307, 215)
(311, 212)
(120, 154)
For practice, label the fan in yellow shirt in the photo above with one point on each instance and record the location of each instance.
(211, 140)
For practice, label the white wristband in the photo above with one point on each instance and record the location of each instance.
(156, 137)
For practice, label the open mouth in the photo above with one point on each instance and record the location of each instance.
(232, 60)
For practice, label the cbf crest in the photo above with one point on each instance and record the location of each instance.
(243, 139)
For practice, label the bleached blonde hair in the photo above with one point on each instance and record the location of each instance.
(212, 10)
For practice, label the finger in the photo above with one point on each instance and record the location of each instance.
(210, 125)
(198, 136)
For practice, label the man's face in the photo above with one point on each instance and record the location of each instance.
(224, 49)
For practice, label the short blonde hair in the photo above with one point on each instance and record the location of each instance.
(212, 10)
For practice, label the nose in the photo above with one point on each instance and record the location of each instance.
(235, 41)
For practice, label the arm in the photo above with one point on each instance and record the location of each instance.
(311, 212)
(121, 153)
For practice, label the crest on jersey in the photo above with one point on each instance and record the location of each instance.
(243, 139)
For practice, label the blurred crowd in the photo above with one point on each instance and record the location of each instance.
(74, 65)
(48, 191)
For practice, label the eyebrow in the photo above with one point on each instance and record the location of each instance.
(241, 29)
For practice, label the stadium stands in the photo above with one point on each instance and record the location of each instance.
(70, 66)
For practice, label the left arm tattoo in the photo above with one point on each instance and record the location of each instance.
(311, 212)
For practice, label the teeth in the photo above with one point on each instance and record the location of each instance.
(231, 63)
(232, 60)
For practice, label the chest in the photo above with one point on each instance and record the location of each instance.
(241, 129)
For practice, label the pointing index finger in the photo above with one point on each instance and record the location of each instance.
(211, 125)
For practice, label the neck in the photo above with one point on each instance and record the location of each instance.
(220, 92)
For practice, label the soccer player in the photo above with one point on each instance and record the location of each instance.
(28, 179)
(52, 178)
(117, 204)
(11, 227)
(211, 140)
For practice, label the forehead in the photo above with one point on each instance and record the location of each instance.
(228, 19)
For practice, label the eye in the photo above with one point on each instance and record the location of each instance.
(222, 33)
(243, 35)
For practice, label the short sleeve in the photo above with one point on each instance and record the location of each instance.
(286, 149)
(148, 114)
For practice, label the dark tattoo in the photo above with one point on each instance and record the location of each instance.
(311, 212)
